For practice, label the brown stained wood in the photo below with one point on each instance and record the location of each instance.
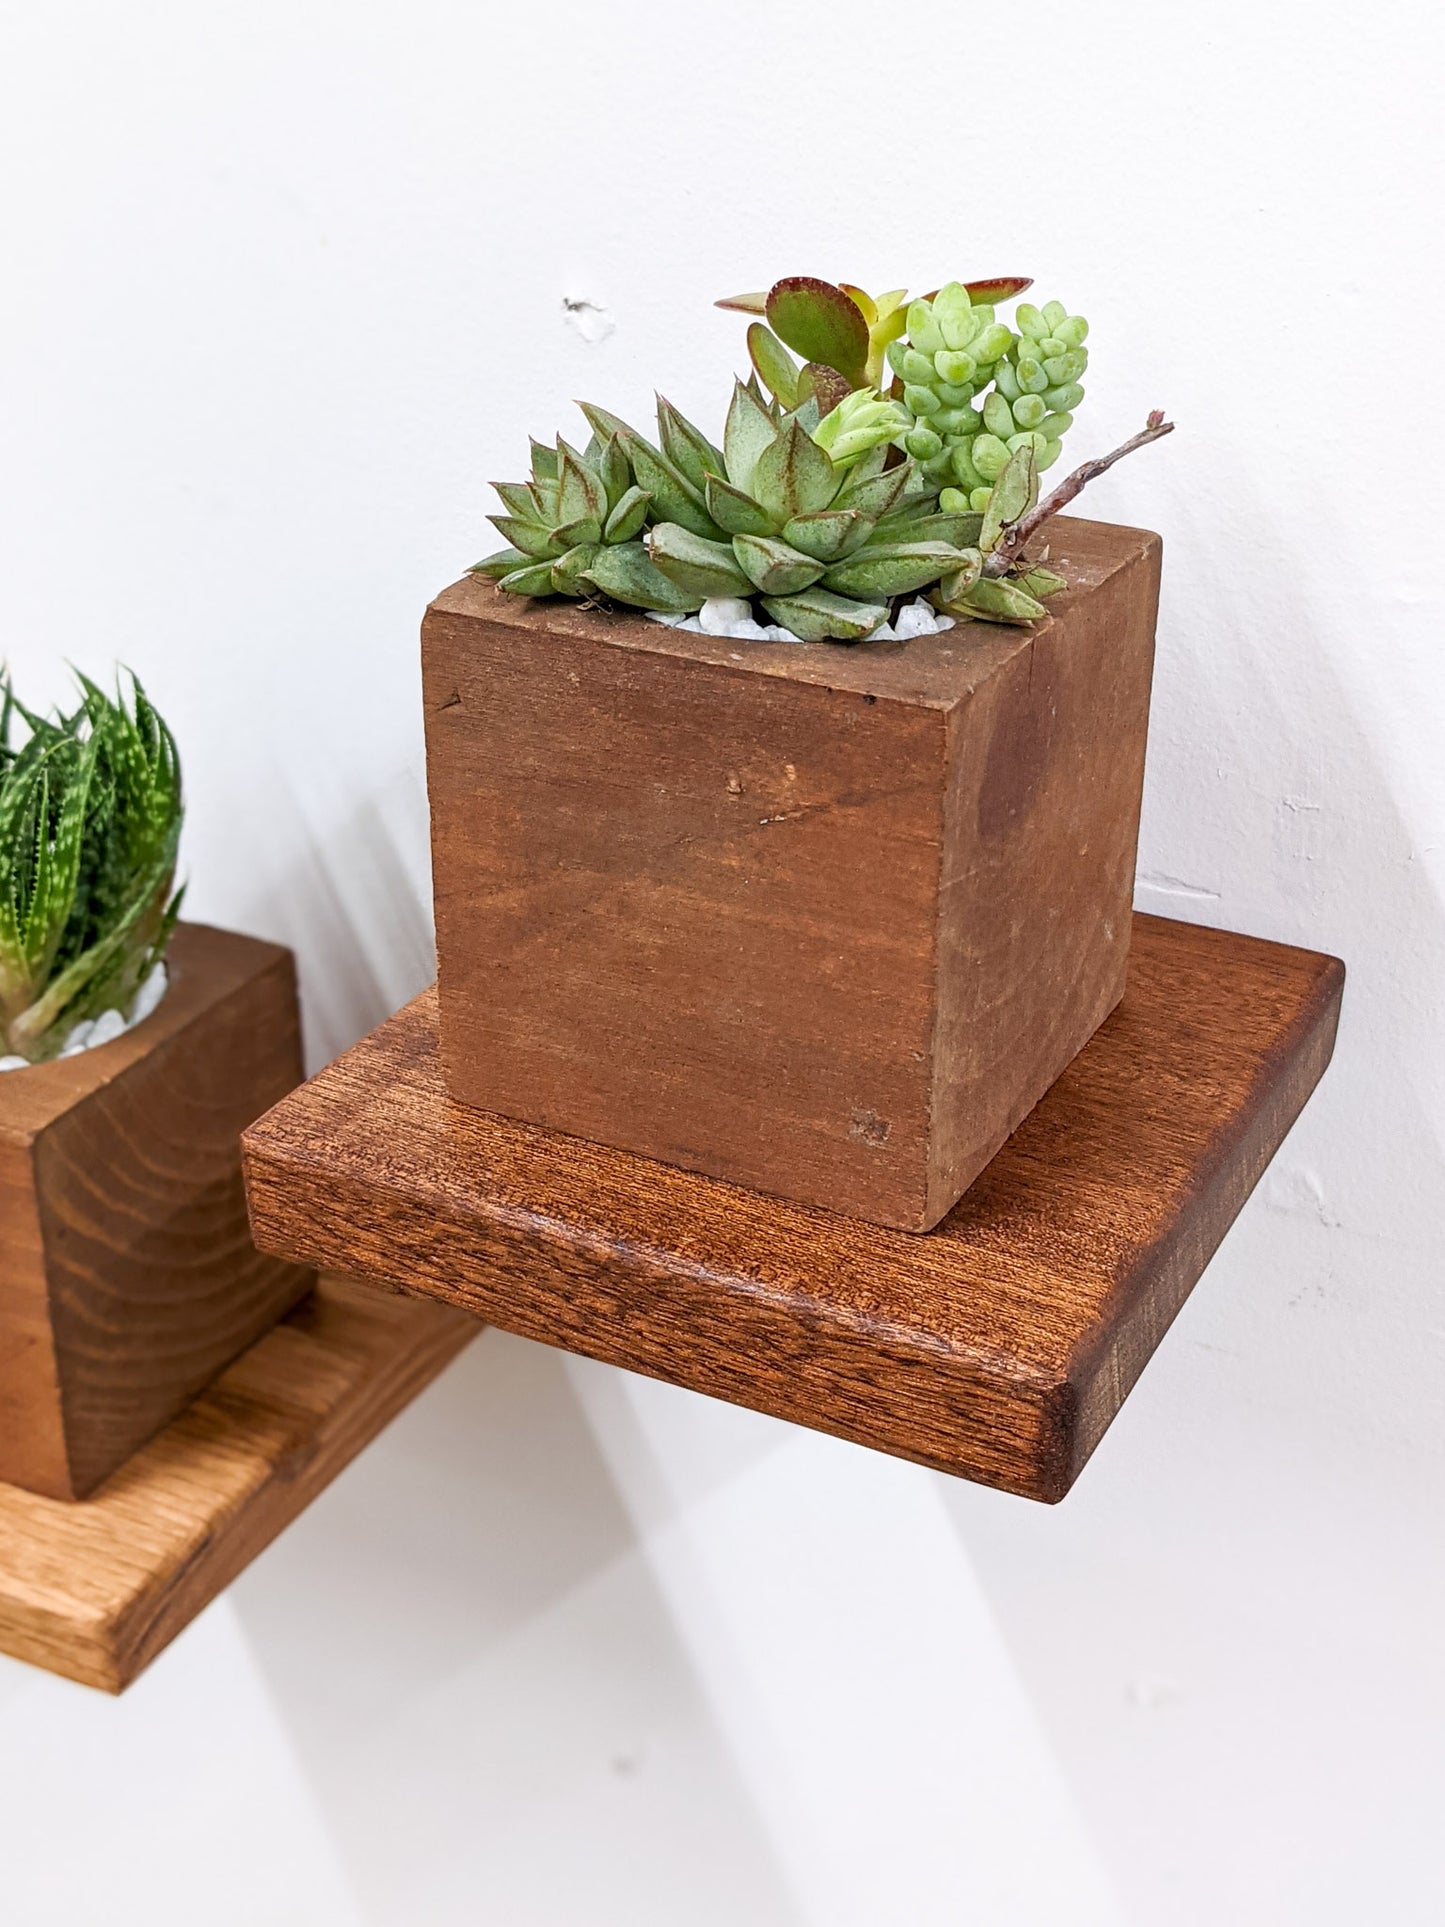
(127, 1274)
(94, 1590)
(998, 1347)
(826, 922)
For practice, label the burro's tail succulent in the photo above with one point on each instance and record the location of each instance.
(576, 527)
(806, 514)
(953, 348)
(996, 581)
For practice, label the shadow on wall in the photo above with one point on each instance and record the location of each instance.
(357, 910)
(1250, 1691)
(483, 1685)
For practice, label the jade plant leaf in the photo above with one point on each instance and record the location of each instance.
(779, 372)
(819, 322)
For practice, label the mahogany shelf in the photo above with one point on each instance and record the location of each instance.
(998, 1346)
(94, 1589)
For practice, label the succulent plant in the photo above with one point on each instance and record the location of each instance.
(816, 318)
(90, 823)
(954, 348)
(1016, 594)
(575, 526)
(825, 542)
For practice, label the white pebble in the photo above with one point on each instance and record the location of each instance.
(14, 1064)
(916, 620)
(720, 615)
(108, 1026)
(149, 995)
(79, 1039)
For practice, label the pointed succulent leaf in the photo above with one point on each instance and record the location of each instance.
(775, 566)
(998, 599)
(1014, 494)
(586, 529)
(580, 493)
(625, 571)
(569, 570)
(734, 512)
(829, 534)
(960, 528)
(880, 570)
(544, 462)
(526, 536)
(952, 591)
(614, 470)
(1041, 582)
(698, 566)
(521, 498)
(500, 564)
(749, 430)
(686, 447)
(627, 519)
(605, 425)
(875, 495)
(820, 323)
(674, 499)
(535, 579)
(774, 364)
(818, 616)
(745, 303)
(793, 475)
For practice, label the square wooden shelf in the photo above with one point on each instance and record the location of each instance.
(94, 1588)
(998, 1346)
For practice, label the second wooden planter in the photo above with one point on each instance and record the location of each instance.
(128, 1279)
(826, 922)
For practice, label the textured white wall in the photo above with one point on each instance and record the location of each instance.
(282, 286)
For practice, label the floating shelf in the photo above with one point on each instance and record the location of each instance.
(94, 1589)
(998, 1347)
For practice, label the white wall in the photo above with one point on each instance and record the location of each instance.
(280, 288)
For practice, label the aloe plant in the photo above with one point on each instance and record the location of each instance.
(90, 823)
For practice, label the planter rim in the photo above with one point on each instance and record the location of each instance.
(202, 963)
(937, 670)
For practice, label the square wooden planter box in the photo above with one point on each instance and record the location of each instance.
(823, 921)
(128, 1279)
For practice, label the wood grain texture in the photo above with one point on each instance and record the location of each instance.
(127, 1276)
(826, 922)
(95, 1590)
(998, 1347)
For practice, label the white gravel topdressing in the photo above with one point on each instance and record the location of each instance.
(104, 1029)
(732, 616)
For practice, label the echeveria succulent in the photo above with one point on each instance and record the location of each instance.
(954, 348)
(826, 543)
(575, 527)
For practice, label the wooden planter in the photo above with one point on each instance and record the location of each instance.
(826, 922)
(128, 1279)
